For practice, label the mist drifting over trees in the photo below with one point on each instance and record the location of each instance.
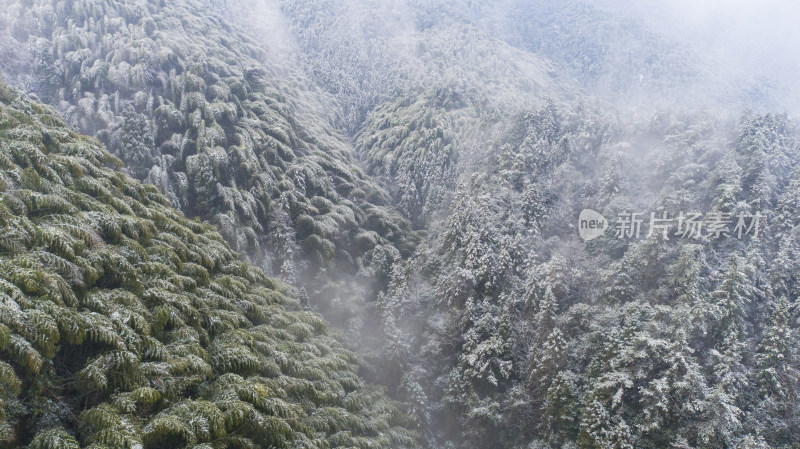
(435, 224)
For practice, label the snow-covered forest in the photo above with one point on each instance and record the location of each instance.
(362, 224)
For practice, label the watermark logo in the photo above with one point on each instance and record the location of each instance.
(692, 225)
(591, 224)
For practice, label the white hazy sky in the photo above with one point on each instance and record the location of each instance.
(764, 35)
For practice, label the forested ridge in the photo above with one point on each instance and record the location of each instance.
(190, 105)
(526, 332)
(125, 324)
(414, 173)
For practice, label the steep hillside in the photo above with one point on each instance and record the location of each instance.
(415, 171)
(191, 105)
(433, 90)
(369, 53)
(364, 52)
(507, 329)
(124, 324)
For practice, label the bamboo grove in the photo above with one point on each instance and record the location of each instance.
(124, 324)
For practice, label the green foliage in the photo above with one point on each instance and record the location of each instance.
(190, 104)
(54, 439)
(123, 323)
(413, 146)
(129, 326)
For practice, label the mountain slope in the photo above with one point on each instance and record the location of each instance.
(123, 324)
(193, 106)
(507, 329)
(504, 329)
(417, 169)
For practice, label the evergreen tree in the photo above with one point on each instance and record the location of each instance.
(137, 144)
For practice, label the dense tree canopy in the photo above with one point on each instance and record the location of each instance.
(125, 324)
(193, 106)
(414, 171)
